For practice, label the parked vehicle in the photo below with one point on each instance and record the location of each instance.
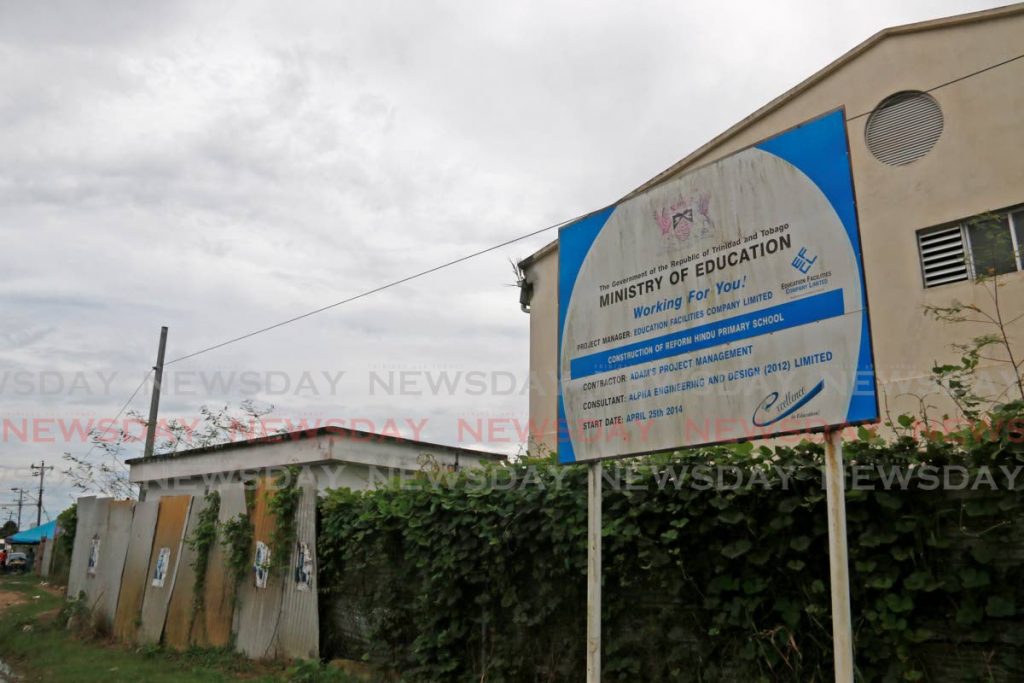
(17, 562)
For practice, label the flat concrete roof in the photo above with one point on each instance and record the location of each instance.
(284, 437)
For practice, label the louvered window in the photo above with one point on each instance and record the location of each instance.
(942, 255)
(985, 245)
(903, 128)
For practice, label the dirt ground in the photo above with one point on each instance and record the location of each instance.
(10, 598)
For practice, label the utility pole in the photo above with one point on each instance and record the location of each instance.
(39, 503)
(21, 495)
(154, 404)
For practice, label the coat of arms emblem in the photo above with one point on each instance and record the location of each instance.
(685, 217)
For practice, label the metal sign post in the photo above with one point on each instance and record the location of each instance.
(838, 559)
(594, 475)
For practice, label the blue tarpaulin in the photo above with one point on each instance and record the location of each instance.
(33, 536)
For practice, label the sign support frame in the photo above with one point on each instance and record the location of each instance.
(838, 557)
(829, 179)
(594, 500)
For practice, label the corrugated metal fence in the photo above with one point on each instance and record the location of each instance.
(133, 565)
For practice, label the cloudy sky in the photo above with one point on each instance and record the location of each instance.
(218, 167)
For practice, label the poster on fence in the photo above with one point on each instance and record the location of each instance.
(163, 559)
(727, 304)
(94, 556)
(261, 564)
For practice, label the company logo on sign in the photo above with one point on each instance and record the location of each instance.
(803, 261)
(774, 407)
(685, 217)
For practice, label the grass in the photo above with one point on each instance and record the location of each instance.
(37, 646)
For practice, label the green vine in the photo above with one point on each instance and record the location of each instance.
(68, 523)
(456, 579)
(236, 539)
(283, 504)
(201, 541)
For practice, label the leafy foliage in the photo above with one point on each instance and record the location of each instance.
(236, 538)
(107, 474)
(201, 541)
(456, 582)
(283, 503)
(993, 347)
(68, 523)
(313, 671)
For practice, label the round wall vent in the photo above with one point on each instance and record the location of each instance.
(904, 127)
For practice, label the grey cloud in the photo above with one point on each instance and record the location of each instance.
(14, 339)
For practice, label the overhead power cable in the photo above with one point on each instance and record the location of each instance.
(375, 290)
(955, 80)
(118, 417)
(453, 262)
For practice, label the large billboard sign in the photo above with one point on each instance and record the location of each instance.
(724, 305)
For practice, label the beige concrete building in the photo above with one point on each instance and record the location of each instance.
(936, 130)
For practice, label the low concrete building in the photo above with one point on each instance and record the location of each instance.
(333, 456)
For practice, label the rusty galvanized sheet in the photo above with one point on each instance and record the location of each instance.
(181, 613)
(259, 609)
(213, 625)
(104, 584)
(136, 566)
(101, 577)
(299, 634)
(86, 529)
(163, 563)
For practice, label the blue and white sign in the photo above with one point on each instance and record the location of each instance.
(724, 305)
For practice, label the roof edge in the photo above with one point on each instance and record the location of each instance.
(820, 75)
(807, 83)
(300, 434)
(540, 253)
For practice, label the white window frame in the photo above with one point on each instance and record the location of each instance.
(1012, 222)
(965, 238)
